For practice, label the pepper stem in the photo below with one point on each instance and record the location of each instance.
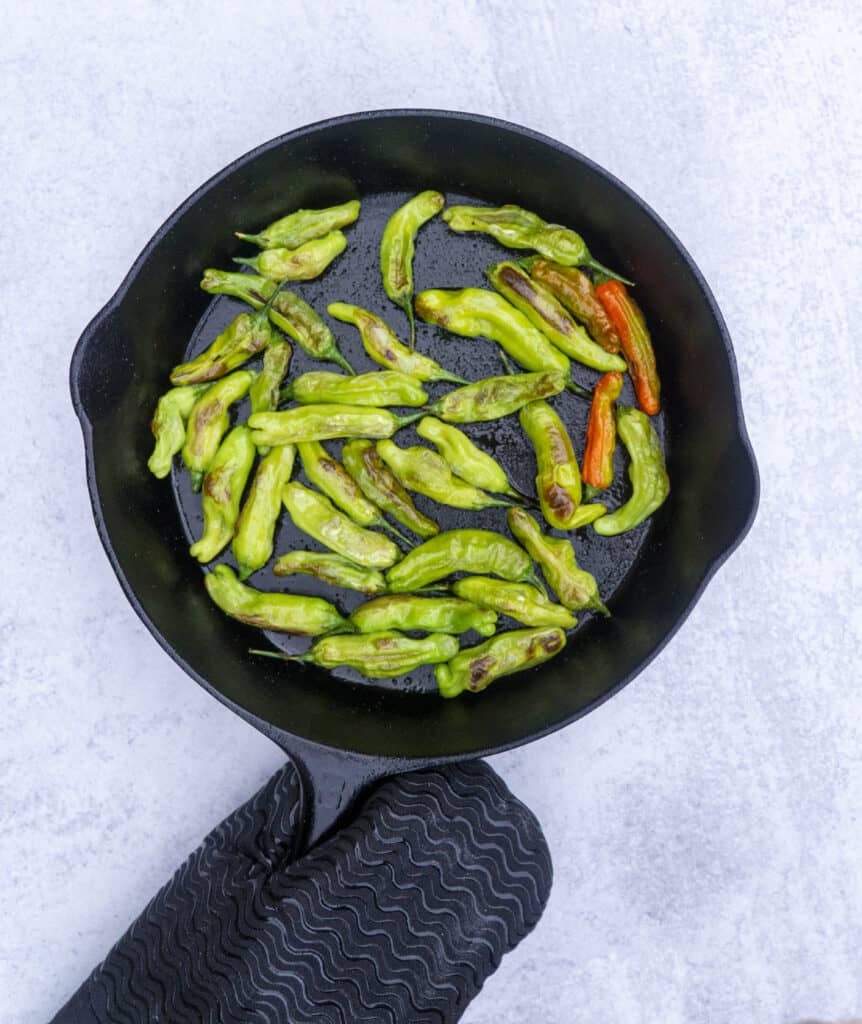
(577, 389)
(602, 269)
(508, 365)
(254, 239)
(453, 378)
(408, 309)
(537, 582)
(245, 262)
(396, 533)
(338, 358)
(279, 655)
(405, 421)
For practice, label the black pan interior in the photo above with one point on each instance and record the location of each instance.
(651, 577)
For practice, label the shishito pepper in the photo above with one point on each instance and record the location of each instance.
(384, 348)
(382, 388)
(266, 386)
(333, 569)
(465, 459)
(224, 483)
(324, 422)
(315, 515)
(329, 476)
(517, 228)
(376, 655)
(304, 263)
(635, 342)
(543, 311)
(255, 528)
(519, 601)
(602, 433)
(430, 614)
(558, 480)
(362, 461)
(650, 483)
(289, 312)
(495, 397)
(425, 472)
(169, 425)
(472, 551)
(576, 588)
(397, 246)
(302, 226)
(477, 667)
(208, 422)
(282, 613)
(576, 292)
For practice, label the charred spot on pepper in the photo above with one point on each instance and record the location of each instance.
(559, 501)
(480, 669)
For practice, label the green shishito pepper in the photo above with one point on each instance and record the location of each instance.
(282, 613)
(362, 461)
(384, 348)
(303, 226)
(517, 228)
(332, 569)
(465, 459)
(289, 312)
(328, 475)
(425, 472)
(224, 483)
(558, 480)
(304, 263)
(473, 551)
(429, 614)
(397, 247)
(255, 528)
(650, 483)
(520, 601)
(382, 388)
(477, 667)
(169, 425)
(208, 422)
(576, 588)
(376, 655)
(548, 315)
(266, 386)
(495, 397)
(324, 422)
(315, 515)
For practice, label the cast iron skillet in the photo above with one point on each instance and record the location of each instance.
(343, 735)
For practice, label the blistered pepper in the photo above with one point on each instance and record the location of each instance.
(384, 348)
(477, 667)
(315, 515)
(328, 475)
(465, 459)
(429, 614)
(376, 655)
(324, 422)
(302, 226)
(282, 613)
(517, 228)
(397, 247)
(473, 551)
(602, 433)
(289, 312)
(169, 426)
(542, 309)
(224, 483)
(425, 472)
(304, 263)
(495, 397)
(520, 601)
(333, 569)
(362, 461)
(266, 386)
(650, 483)
(208, 422)
(635, 342)
(576, 292)
(381, 388)
(255, 528)
(576, 588)
(558, 479)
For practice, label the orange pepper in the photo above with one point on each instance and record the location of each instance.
(602, 432)
(636, 343)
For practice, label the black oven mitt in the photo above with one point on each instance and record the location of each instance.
(396, 919)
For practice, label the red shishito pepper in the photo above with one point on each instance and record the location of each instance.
(598, 469)
(635, 343)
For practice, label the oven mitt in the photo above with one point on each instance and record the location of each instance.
(396, 919)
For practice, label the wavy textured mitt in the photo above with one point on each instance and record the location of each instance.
(397, 919)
